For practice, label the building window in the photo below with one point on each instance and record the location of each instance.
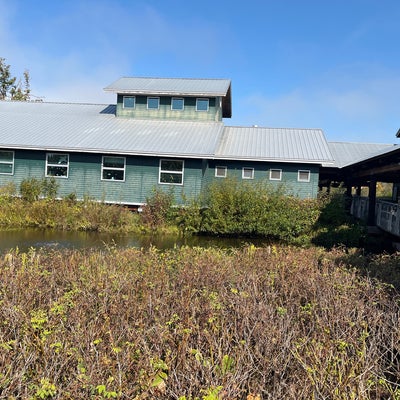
(6, 162)
(303, 176)
(153, 103)
(171, 172)
(248, 173)
(113, 168)
(202, 104)
(177, 103)
(275, 174)
(129, 102)
(220, 172)
(57, 165)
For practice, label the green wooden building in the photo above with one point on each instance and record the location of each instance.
(163, 133)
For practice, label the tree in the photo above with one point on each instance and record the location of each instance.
(10, 88)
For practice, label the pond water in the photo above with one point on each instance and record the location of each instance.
(39, 238)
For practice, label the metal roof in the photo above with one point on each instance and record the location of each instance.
(170, 86)
(94, 128)
(176, 87)
(346, 153)
(274, 144)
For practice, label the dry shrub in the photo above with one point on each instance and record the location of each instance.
(271, 323)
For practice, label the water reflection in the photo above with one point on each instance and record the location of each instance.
(37, 238)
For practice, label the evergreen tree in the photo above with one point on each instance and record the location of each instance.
(10, 89)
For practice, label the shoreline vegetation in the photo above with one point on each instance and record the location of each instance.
(315, 316)
(229, 208)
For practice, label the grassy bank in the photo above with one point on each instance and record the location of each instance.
(277, 322)
(228, 208)
(17, 213)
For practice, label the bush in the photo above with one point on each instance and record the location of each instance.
(30, 189)
(8, 191)
(272, 323)
(335, 226)
(50, 187)
(158, 208)
(255, 209)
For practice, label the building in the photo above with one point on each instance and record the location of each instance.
(161, 133)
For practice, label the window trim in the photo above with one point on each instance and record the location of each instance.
(130, 97)
(161, 171)
(103, 168)
(177, 109)
(225, 171)
(8, 162)
(275, 170)
(249, 169)
(66, 166)
(202, 99)
(158, 102)
(303, 180)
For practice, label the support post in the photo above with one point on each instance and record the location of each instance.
(371, 202)
(348, 197)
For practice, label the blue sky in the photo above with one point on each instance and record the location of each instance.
(329, 64)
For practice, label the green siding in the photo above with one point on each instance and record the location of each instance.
(165, 113)
(84, 178)
(261, 174)
(142, 175)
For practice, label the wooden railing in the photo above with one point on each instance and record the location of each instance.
(359, 207)
(387, 214)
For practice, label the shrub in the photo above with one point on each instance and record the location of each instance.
(158, 208)
(256, 209)
(8, 190)
(30, 189)
(272, 323)
(50, 187)
(335, 226)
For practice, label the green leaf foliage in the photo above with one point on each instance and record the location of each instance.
(256, 209)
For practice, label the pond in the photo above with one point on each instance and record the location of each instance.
(39, 238)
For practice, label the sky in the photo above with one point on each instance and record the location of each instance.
(329, 64)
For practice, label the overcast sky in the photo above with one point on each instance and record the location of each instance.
(329, 64)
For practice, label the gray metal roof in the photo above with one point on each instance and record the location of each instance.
(346, 153)
(94, 128)
(170, 86)
(176, 87)
(274, 144)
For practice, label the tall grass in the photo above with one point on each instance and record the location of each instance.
(65, 214)
(268, 323)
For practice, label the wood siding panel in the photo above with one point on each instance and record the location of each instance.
(261, 174)
(84, 178)
(164, 112)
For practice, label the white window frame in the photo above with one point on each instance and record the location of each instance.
(300, 171)
(177, 109)
(158, 103)
(275, 170)
(244, 169)
(129, 97)
(165, 171)
(103, 168)
(221, 167)
(57, 165)
(8, 162)
(202, 99)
